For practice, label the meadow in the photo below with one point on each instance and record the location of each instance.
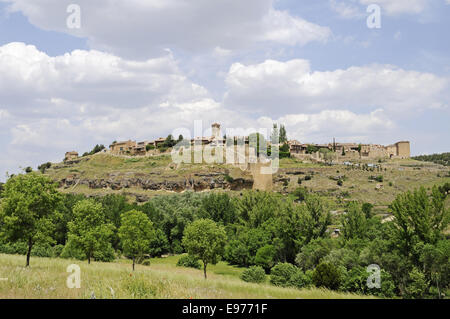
(46, 279)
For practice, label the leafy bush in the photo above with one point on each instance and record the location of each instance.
(44, 166)
(39, 250)
(189, 262)
(254, 274)
(146, 262)
(265, 257)
(301, 193)
(301, 279)
(308, 177)
(282, 273)
(326, 275)
(228, 178)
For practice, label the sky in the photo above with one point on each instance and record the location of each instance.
(140, 69)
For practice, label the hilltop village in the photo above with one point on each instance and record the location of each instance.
(305, 151)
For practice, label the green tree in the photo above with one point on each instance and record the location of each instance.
(283, 135)
(136, 233)
(169, 142)
(205, 240)
(27, 210)
(367, 210)
(312, 253)
(417, 284)
(436, 264)
(419, 217)
(310, 149)
(257, 141)
(159, 245)
(219, 208)
(354, 224)
(265, 257)
(282, 273)
(315, 218)
(275, 136)
(89, 231)
(326, 275)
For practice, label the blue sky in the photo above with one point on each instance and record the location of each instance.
(140, 69)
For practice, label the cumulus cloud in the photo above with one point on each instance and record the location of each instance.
(276, 88)
(341, 124)
(90, 79)
(50, 105)
(347, 9)
(142, 28)
(395, 7)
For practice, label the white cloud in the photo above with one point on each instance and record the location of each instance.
(342, 124)
(146, 28)
(347, 10)
(51, 105)
(276, 88)
(281, 27)
(395, 7)
(351, 9)
(89, 79)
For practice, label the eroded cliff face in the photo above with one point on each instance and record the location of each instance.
(196, 182)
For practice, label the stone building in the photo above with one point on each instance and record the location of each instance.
(70, 156)
(353, 150)
(125, 147)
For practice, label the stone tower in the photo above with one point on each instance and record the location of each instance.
(216, 131)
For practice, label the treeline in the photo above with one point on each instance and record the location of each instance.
(443, 159)
(269, 234)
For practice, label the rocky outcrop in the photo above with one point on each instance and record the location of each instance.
(199, 182)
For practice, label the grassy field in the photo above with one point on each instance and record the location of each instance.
(46, 278)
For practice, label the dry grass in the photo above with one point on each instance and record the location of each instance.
(46, 278)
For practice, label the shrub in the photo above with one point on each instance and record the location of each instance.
(367, 209)
(282, 273)
(146, 262)
(308, 177)
(326, 275)
(149, 147)
(44, 166)
(340, 182)
(301, 279)
(265, 256)
(189, 262)
(254, 274)
(300, 193)
(228, 178)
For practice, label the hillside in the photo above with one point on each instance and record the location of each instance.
(141, 178)
(162, 279)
